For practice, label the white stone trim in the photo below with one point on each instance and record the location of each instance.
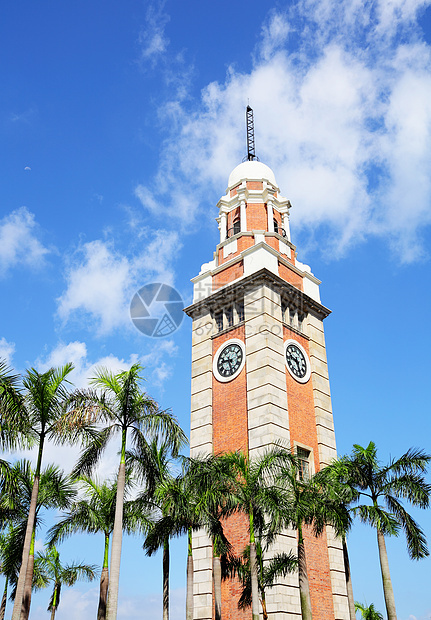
(230, 248)
(307, 375)
(216, 373)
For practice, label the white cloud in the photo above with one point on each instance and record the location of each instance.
(79, 603)
(98, 281)
(343, 117)
(101, 281)
(19, 244)
(155, 361)
(7, 349)
(38, 545)
(156, 370)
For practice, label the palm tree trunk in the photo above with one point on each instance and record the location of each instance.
(16, 614)
(254, 583)
(55, 601)
(217, 586)
(386, 577)
(348, 575)
(253, 570)
(3, 601)
(190, 575)
(28, 588)
(117, 537)
(104, 581)
(166, 579)
(264, 611)
(304, 587)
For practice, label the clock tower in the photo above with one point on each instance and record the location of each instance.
(260, 376)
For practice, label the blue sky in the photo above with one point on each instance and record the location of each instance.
(120, 123)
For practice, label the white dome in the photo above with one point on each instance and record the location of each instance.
(252, 171)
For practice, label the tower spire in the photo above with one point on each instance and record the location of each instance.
(251, 153)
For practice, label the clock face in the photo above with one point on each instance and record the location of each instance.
(229, 360)
(297, 361)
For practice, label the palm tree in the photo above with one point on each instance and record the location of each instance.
(191, 501)
(32, 414)
(154, 465)
(256, 495)
(3, 552)
(93, 514)
(268, 570)
(343, 495)
(61, 575)
(200, 499)
(384, 486)
(368, 613)
(306, 502)
(10, 404)
(55, 491)
(118, 402)
(9, 489)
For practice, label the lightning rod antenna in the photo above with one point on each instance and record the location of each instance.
(251, 153)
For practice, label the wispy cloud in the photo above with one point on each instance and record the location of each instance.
(152, 38)
(25, 117)
(19, 242)
(341, 93)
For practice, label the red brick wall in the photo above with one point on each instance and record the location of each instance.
(243, 243)
(273, 242)
(254, 185)
(302, 426)
(290, 276)
(236, 529)
(256, 217)
(230, 432)
(228, 275)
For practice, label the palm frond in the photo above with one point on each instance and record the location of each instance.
(416, 541)
(378, 518)
(91, 455)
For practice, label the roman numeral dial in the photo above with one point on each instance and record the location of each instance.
(297, 361)
(229, 360)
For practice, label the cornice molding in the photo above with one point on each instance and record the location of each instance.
(238, 288)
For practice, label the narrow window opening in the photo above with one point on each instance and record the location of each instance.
(229, 317)
(236, 227)
(276, 227)
(300, 322)
(240, 312)
(219, 321)
(303, 457)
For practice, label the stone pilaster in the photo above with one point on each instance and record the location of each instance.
(201, 437)
(327, 452)
(268, 419)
